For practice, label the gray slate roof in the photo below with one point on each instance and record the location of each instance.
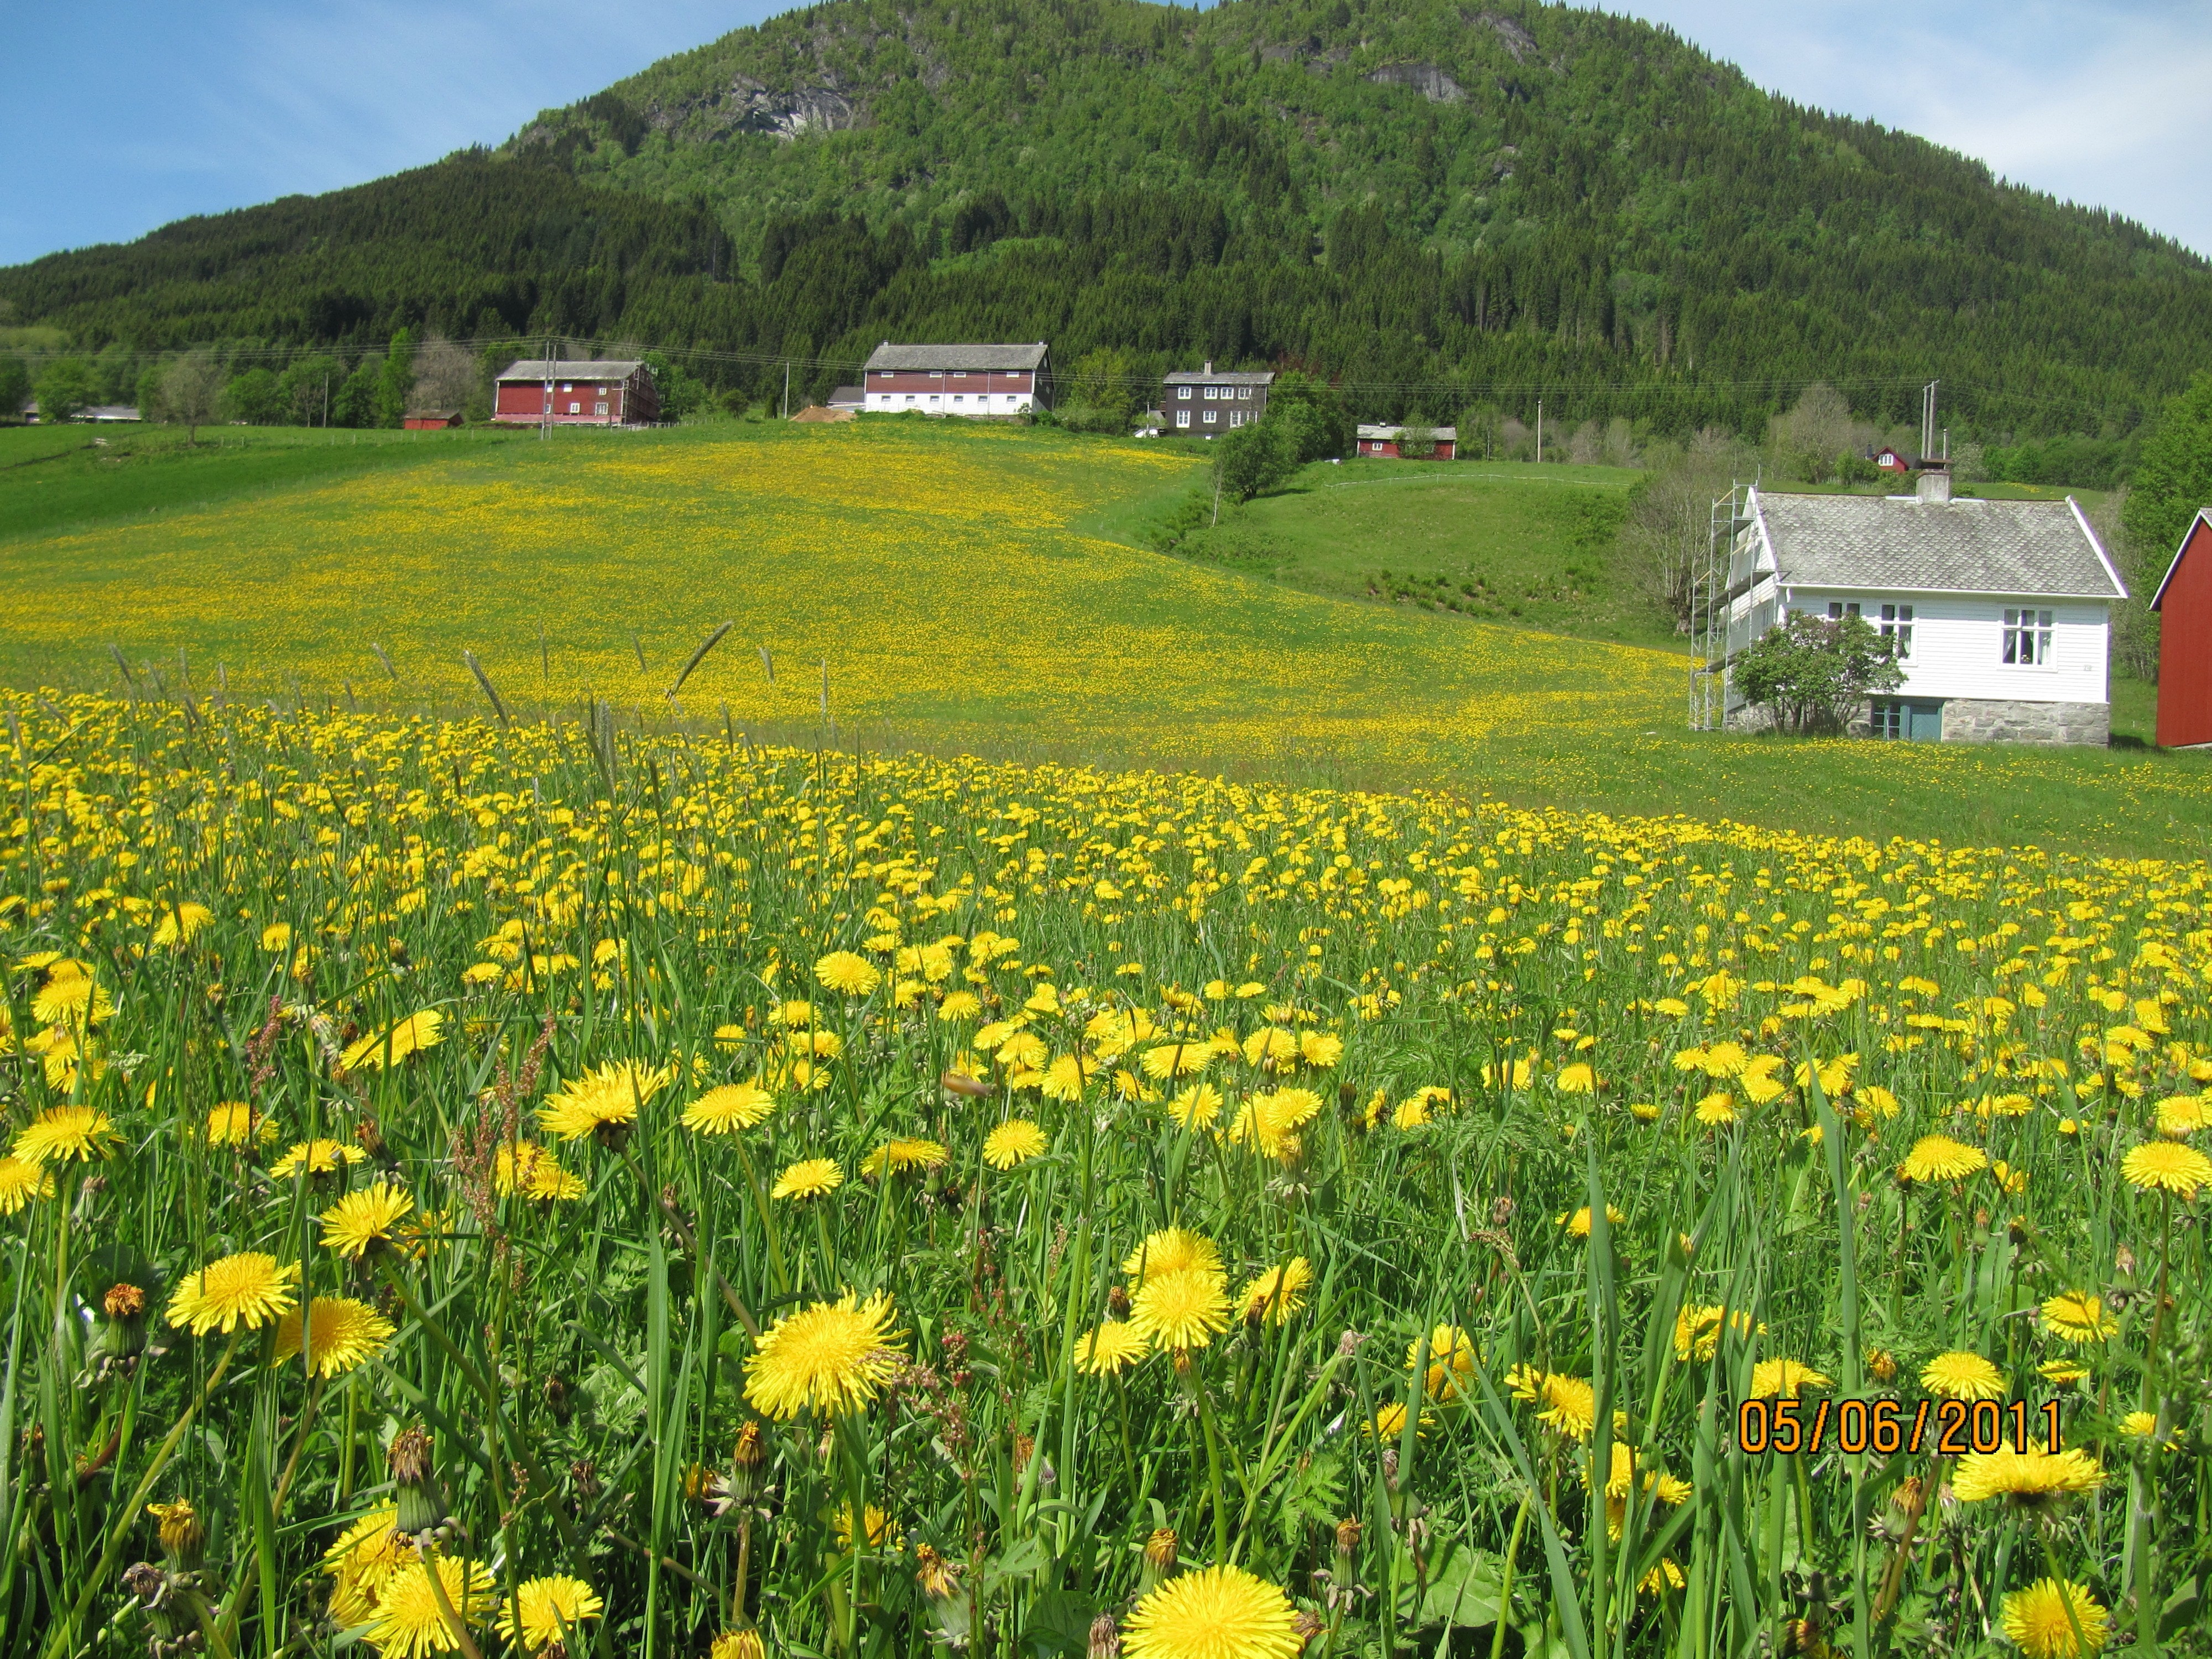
(1391, 434)
(2039, 550)
(931, 357)
(597, 368)
(1220, 377)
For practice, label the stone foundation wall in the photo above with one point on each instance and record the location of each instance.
(1973, 719)
(1977, 719)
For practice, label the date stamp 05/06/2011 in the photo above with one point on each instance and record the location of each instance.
(1950, 1428)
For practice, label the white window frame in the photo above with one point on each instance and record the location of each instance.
(600, 407)
(1839, 609)
(1212, 393)
(1182, 418)
(575, 408)
(1896, 625)
(568, 385)
(1183, 393)
(2028, 638)
(1244, 392)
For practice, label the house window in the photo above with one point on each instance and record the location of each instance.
(1211, 417)
(1245, 392)
(959, 374)
(567, 385)
(1183, 393)
(1839, 609)
(959, 396)
(883, 374)
(2027, 636)
(1182, 418)
(1212, 393)
(575, 409)
(600, 407)
(1897, 628)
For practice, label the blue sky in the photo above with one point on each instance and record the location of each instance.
(129, 114)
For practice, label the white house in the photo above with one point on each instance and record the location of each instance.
(972, 381)
(2001, 612)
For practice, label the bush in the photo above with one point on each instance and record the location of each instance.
(1813, 673)
(1086, 417)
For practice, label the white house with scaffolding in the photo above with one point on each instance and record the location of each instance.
(2000, 612)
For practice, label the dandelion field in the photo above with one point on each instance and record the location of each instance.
(754, 1200)
(978, 591)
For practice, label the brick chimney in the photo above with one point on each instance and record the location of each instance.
(1934, 484)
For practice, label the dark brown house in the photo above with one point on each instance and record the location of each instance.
(1208, 401)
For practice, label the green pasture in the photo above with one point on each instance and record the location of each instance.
(985, 591)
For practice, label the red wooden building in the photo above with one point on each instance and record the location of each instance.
(1381, 442)
(971, 380)
(431, 419)
(594, 392)
(2184, 604)
(1888, 459)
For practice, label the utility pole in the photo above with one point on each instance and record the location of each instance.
(1539, 431)
(787, 388)
(545, 419)
(1928, 421)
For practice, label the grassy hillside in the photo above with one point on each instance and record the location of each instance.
(1433, 204)
(957, 584)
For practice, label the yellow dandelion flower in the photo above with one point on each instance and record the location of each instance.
(411, 1625)
(2034, 1480)
(1113, 1346)
(738, 1645)
(248, 1289)
(388, 1047)
(1196, 1106)
(873, 1522)
(60, 1133)
(1715, 1110)
(342, 1333)
(2076, 1317)
(1173, 1250)
(1578, 1224)
(549, 1611)
(1451, 1362)
(726, 1109)
(810, 1177)
(2161, 1166)
(2182, 1114)
(1956, 1376)
(73, 1002)
(527, 1168)
(898, 1155)
(316, 1158)
(369, 1554)
(2042, 1620)
(1216, 1612)
(1569, 1406)
(1698, 1328)
(1277, 1294)
(234, 1123)
(848, 973)
(830, 1359)
(180, 922)
(603, 1098)
(1771, 1377)
(20, 1182)
(365, 1220)
(1015, 1141)
(1183, 1309)
(1939, 1157)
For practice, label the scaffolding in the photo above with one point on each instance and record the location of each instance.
(1715, 587)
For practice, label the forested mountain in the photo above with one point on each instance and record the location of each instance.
(1433, 202)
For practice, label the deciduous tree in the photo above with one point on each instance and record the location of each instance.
(1814, 673)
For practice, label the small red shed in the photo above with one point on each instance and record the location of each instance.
(2184, 602)
(1381, 442)
(1886, 460)
(431, 419)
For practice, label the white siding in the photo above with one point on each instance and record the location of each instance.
(1958, 646)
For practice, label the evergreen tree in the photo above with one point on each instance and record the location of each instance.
(357, 400)
(2174, 477)
(395, 380)
(14, 388)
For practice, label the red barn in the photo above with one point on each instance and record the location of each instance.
(1381, 442)
(431, 419)
(595, 392)
(972, 381)
(2185, 640)
(1886, 460)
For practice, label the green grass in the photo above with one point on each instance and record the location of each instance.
(1494, 541)
(56, 478)
(987, 591)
